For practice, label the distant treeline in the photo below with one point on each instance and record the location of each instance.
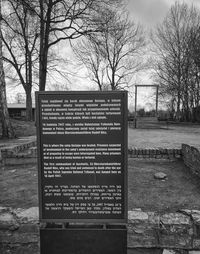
(177, 61)
(165, 115)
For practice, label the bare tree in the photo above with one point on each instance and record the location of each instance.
(7, 129)
(89, 55)
(59, 20)
(113, 55)
(194, 42)
(63, 20)
(173, 62)
(33, 28)
(20, 37)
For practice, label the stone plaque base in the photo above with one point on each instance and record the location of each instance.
(88, 240)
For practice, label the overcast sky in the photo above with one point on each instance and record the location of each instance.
(150, 12)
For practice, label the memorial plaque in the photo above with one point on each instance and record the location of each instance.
(82, 156)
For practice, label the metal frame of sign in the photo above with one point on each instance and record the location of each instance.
(124, 156)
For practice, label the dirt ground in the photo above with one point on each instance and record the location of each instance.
(181, 189)
(19, 186)
(171, 137)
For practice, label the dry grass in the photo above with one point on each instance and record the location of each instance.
(22, 128)
(171, 137)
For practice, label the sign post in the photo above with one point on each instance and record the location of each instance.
(82, 162)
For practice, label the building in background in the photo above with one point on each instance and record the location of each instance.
(18, 110)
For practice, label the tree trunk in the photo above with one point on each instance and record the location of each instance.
(42, 70)
(7, 129)
(178, 111)
(29, 115)
(41, 54)
(44, 47)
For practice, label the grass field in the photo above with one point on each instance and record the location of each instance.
(171, 136)
(22, 128)
(180, 190)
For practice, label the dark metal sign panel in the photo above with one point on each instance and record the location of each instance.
(82, 156)
(82, 241)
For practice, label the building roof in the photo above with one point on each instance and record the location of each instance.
(19, 105)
